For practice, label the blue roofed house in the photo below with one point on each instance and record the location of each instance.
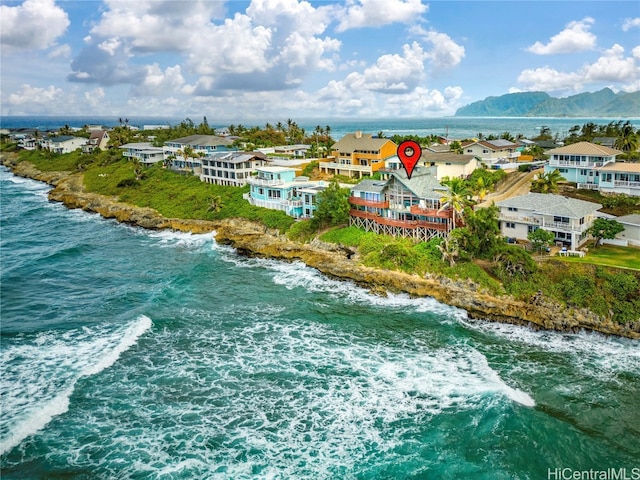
(278, 188)
(402, 207)
(567, 218)
(619, 178)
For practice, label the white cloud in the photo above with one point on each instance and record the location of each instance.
(35, 24)
(611, 67)
(630, 23)
(158, 82)
(576, 37)
(374, 13)
(35, 96)
(392, 73)
(445, 52)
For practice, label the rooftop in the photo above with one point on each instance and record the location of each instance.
(585, 148)
(621, 167)
(549, 204)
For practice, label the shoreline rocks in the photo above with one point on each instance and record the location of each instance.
(250, 238)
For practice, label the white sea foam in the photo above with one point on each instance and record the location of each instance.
(188, 240)
(283, 398)
(39, 374)
(296, 274)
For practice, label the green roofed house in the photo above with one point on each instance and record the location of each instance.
(402, 207)
(568, 218)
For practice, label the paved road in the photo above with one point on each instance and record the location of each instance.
(518, 183)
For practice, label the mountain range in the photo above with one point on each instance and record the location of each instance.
(603, 103)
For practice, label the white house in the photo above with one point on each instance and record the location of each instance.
(568, 218)
(144, 152)
(631, 233)
(201, 145)
(63, 143)
(231, 168)
(97, 139)
(493, 153)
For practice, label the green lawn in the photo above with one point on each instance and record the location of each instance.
(610, 256)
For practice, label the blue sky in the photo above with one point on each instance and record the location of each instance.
(277, 59)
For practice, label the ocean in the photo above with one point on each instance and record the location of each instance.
(133, 354)
(453, 127)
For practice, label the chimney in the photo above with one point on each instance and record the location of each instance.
(358, 133)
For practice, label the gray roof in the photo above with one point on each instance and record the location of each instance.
(422, 183)
(232, 157)
(61, 138)
(500, 143)
(201, 140)
(350, 143)
(446, 157)
(632, 219)
(373, 186)
(548, 204)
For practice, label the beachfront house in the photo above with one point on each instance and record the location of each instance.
(97, 139)
(186, 153)
(231, 168)
(580, 162)
(402, 207)
(143, 152)
(357, 154)
(63, 143)
(568, 218)
(497, 153)
(278, 188)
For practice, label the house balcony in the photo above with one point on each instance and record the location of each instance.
(567, 163)
(588, 186)
(519, 219)
(565, 227)
(625, 183)
(341, 166)
(431, 212)
(368, 203)
(263, 182)
(392, 222)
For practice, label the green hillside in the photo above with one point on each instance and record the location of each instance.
(604, 103)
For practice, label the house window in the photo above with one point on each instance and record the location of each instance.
(510, 225)
(274, 193)
(561, 219)
(512, 209)
(563, 170)
(583, 171)
(532, 228)
(260, 191)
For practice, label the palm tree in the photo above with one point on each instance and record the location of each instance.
(547, 182)
(457, 198)
(481, 188)
(215, 204)
(628, 140)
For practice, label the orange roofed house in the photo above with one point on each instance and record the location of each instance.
(357, 154)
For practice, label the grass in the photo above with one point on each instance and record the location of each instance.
(610, 256)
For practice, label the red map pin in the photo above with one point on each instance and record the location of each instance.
(409, 152)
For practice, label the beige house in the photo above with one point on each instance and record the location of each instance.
(451, 165)
(97, 139)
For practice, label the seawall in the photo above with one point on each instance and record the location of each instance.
(251, 238)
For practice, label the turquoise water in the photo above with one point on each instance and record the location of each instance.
(134, 354)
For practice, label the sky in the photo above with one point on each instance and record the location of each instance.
(278, 59)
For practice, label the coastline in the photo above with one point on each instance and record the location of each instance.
(254, 239)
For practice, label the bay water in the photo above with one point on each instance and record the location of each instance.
(138, 354)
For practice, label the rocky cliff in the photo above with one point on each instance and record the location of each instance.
(254, 239)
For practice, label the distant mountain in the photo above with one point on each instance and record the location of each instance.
(604, 103)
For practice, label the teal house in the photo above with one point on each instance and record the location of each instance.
(278, 188)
